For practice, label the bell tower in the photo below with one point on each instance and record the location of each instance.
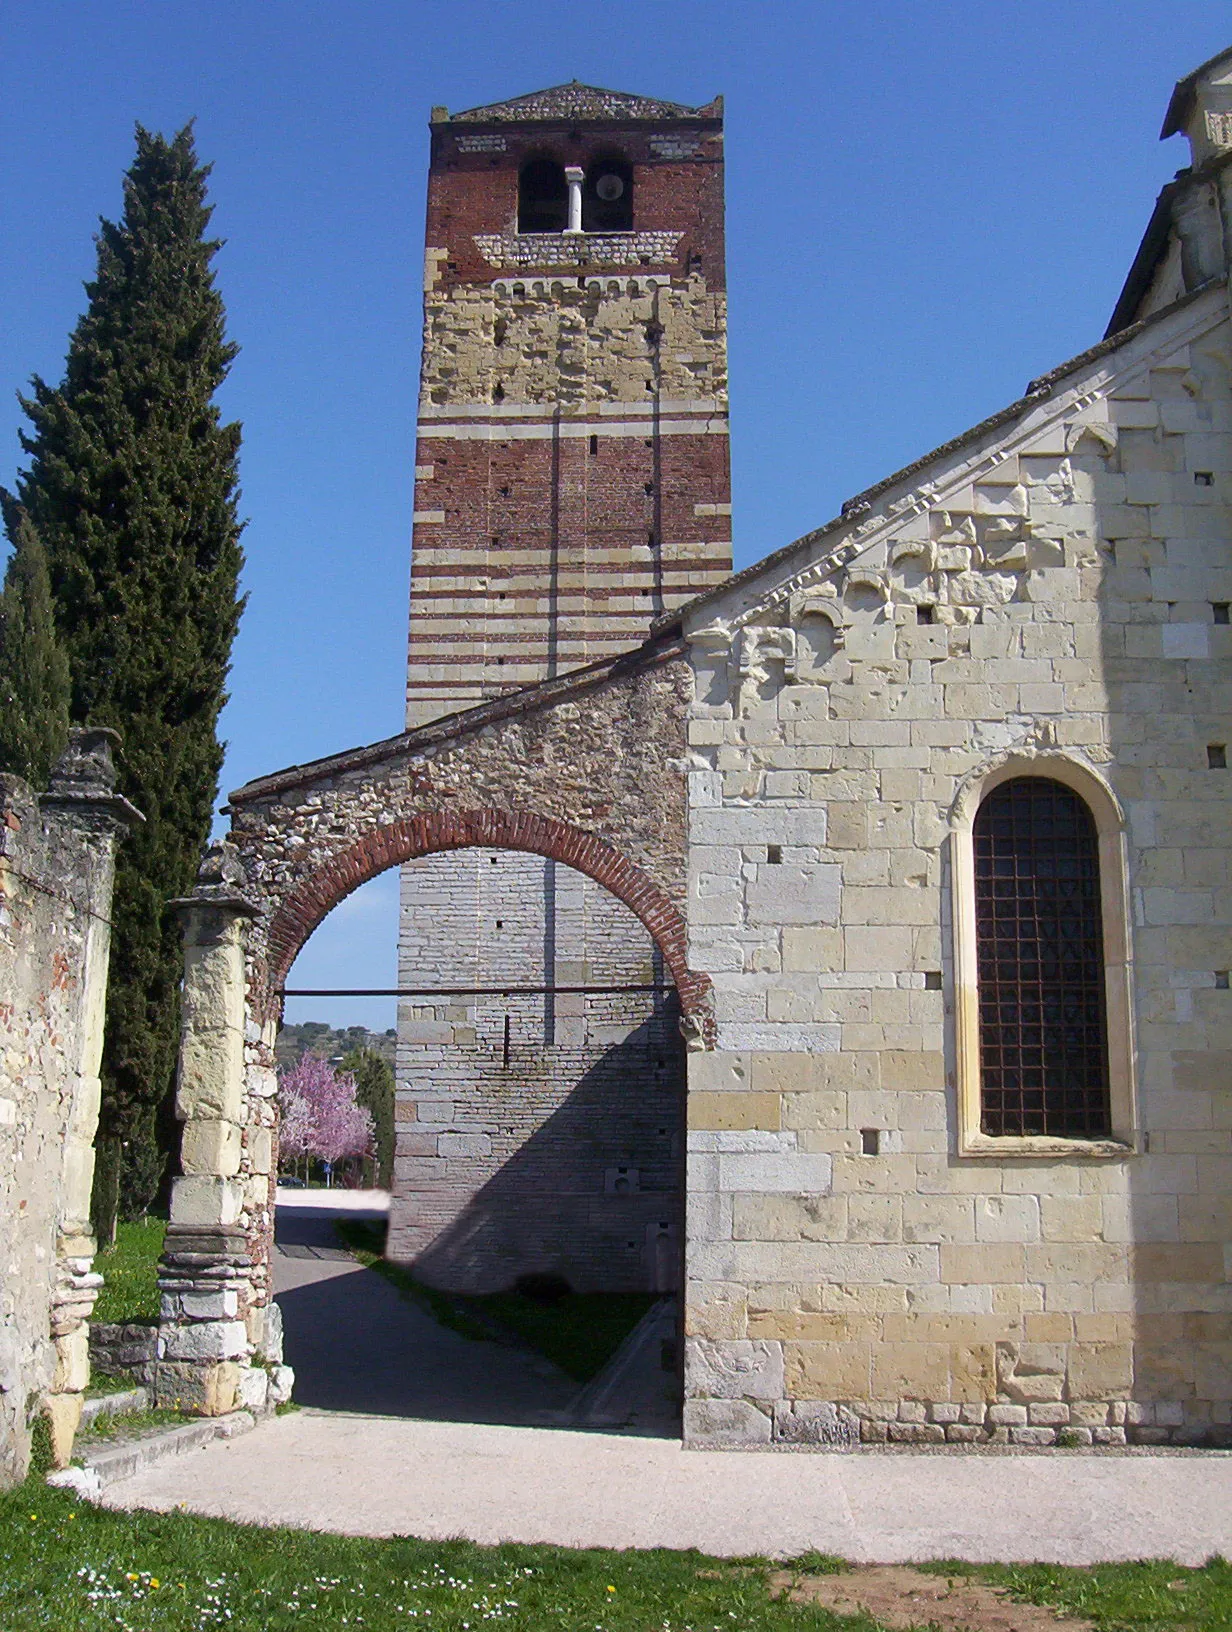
(572, 472)
(571, 485)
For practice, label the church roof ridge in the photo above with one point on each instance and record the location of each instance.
(578, 101)
(1181, 102)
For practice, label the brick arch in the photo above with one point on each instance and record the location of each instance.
(391, 843)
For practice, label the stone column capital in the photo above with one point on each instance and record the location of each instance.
(220, 888)
(83, 780)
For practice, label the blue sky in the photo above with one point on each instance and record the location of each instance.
(927, 205)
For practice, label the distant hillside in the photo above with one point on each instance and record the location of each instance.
(324, 1042)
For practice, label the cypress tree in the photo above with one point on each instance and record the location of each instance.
(132, 488)
(374, 1089)
(34, 678)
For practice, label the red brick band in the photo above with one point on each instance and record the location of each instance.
(395, 842)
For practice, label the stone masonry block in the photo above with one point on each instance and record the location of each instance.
(254, 1388)
(72, 1368)
(838, 1371)
(205, 1340)
(213, 1306)
(1100, 1371)
(63, 1414)
(717, 1310)
(732, 1111)
(211, 1147)
(712, 1072)
(723, 1424)
(210, 1082)
(205, 1390)
(748, 1369)
(197, 1199)
(758, 826)
(784, 1172)
(795, 895)
(464, 1144)
(213, 993)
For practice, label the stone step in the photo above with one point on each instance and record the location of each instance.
(104, 1465)
(113, 1405)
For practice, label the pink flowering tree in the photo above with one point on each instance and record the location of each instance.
(295, 1124)
(321, 1119)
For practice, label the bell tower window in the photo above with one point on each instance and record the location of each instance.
(543, 197)
(607, 197)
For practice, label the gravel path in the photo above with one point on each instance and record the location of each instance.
(410, 1429)
(381, 1476)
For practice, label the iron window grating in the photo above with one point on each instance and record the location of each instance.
(1040, 963)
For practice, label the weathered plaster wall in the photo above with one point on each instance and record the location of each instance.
(56, 874)
(1055, 588)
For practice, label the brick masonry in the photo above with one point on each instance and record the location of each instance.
(572, 485)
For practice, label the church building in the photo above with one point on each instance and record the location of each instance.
(960, 870)
(845, 943)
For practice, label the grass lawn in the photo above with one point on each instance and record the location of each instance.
(579, 1333)
(130, 1272)
(65, 1564)
(1155, 1596)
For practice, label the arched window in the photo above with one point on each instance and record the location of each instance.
(1043, 1011)
(607, 196)
(1040, 963)
(543, 197)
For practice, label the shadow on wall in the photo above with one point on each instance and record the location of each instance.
(595, 1193)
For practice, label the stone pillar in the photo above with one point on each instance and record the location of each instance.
(204, 1348)
(83, 817)
(574, 176)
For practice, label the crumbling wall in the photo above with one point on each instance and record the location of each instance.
(56, 872)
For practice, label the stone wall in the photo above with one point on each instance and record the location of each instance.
(534, 1132)
(586, 771)
(1049, 596)
(56, 872)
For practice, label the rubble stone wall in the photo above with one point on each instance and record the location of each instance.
(587, 772)
(56, 874)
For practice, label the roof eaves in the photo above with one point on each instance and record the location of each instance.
(1181, 103)
(610, 107)
(1037, 391)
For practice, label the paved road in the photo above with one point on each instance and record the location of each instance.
(357, 1345)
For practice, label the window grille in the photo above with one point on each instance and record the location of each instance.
(1040, 963)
